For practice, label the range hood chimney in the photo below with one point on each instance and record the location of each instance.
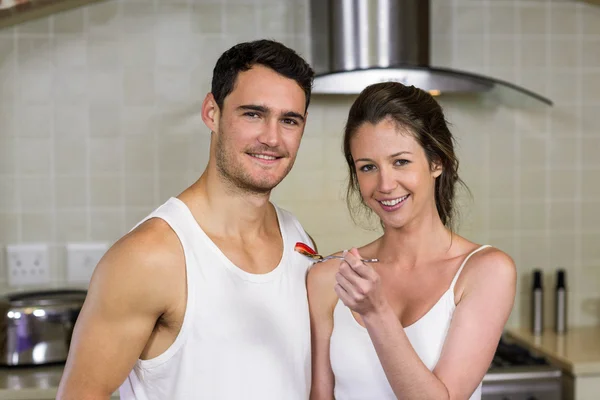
(356, 43)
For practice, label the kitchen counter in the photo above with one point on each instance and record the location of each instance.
(576, 352)
(31, 383)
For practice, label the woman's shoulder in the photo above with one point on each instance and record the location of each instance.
(488, 264)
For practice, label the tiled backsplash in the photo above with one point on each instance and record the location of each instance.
(99, 124)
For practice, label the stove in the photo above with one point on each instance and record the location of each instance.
(518, 374)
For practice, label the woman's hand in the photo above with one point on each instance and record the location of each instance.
(358, 285)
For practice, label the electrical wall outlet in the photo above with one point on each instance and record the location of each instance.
(82, 259)
(27, 264)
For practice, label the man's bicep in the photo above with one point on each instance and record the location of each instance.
(111, 331)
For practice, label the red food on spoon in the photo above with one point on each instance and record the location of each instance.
(304, 249)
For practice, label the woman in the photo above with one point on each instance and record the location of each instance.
(424, 321)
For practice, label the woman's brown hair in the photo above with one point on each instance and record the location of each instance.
(414, 110)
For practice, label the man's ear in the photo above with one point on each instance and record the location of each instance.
(211, 113)
(436, 169)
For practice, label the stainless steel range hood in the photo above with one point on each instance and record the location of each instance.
(356, 43)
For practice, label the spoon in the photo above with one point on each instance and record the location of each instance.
(307, 251)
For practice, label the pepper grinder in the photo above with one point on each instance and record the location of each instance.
(537, 304)
(560, 303)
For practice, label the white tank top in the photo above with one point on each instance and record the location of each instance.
(356, 367)
(244, 336)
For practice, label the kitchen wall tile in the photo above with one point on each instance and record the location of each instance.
(140, 190)
(533, 52)
(34, 54)
(563, 87)
(138, 50)
(69, 51)
(136, 90)
(35, 194)
(69, 22)
(533, 216)
(589, 184)
(590, 250)
(35, 27)
(33, 156)
(104, 53)
(70, 192)
(206, 18)
(590, 52)
(590, 15)
(562, 216)
(533, 151)
(105, 120)
(502, 19)
(502, 53)
(37, 226)
(591, 87)
(589, 120)
(563, 252)
(71, 226)
(9, 221)
(106, 191)
(70, 155)
(533, 19)
(589, 151)
(107, 225)
(563, 183)
(106, 155)
(241, 19)
(9, 198)
(533, 184)
(69, 86)
(563, 19)
(563, 151)
(140, 154)
(8, 147)
(590, 217)
(71, 120)
(103, 18)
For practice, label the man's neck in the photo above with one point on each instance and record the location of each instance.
(224, 212)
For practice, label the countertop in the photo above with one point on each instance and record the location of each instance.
(577, 351)
(31, 383)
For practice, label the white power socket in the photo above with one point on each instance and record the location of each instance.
(27, 264)
(82, 259)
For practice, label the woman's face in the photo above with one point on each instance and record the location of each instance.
(395, 178)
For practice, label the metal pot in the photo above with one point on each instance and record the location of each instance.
(36, 327)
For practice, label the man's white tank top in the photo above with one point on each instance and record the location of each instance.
(244, 336)
(356, 367)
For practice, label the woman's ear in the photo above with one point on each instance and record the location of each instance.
(436, 169)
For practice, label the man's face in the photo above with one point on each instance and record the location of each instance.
(259, 130)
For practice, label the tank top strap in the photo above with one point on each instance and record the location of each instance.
(485, 246)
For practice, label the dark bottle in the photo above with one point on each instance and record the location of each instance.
(537, 304)
(560, 303)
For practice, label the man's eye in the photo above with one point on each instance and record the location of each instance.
(290, 121)
(251, 114)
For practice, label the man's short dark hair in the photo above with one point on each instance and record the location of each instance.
(268, 53)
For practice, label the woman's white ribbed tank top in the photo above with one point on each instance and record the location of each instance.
(356, 367)
(244, 336)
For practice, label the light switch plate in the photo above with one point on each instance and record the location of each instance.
(82, 259)
(28, 264)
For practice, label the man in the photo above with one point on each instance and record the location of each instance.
(205, 298)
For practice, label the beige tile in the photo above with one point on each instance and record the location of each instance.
(502, 182)
(176, 51)
(442, 21)
(8, 51)
(502, 53)
(8, 161)
(563, 183)
(589, 152)
(138, 87)
(534, 252)
(8, 120)
(470, 52)
(34, 54)
(139, 191)
(36, 86)
(138, 50)
(591, 16)
(37, 227)
(563, 152)
(533, 216)
(240, 19)
(590, 215)
(591, 86)
(8, 188)
(138, 18)
(533, 184)
(470, 19)
(590, 52)
(69, 51)
(503, 153)
(590, 184)
(533, 19)
(502, 19)
(563, 251)
(139, 121)
(441, 49)
(140, 155)
(33, 155)
(563, 88)
(106, 155)
(104, 18)
(535, 121)
(533, 151)
(35, 194)
(104, 53)
(8, 86)
(9, 227)
(70, 22)
(105, 86)
(70, 154)
(563, 121)
(105, 120)
(563, 19)
(501, 216)
(534, 79)
(71, 120)
(282, 18)
(106, 191)
(170, 151)
(563, 53)
(590, 247)
(107, 225)
(174, 19)
(70, 192)
(206, 18)
(562, 216)
(590, 124)
(172, 85)
(69, 86)
(171, 186)
(134, 215)
(71, 226)
(533, 52)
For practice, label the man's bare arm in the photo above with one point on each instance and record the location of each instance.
(132, 286)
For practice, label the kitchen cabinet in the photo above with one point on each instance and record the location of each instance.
(577, 353)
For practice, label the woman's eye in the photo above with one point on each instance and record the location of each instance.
(401, 162)
(367, 168)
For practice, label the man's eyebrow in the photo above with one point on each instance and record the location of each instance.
(263, 109)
